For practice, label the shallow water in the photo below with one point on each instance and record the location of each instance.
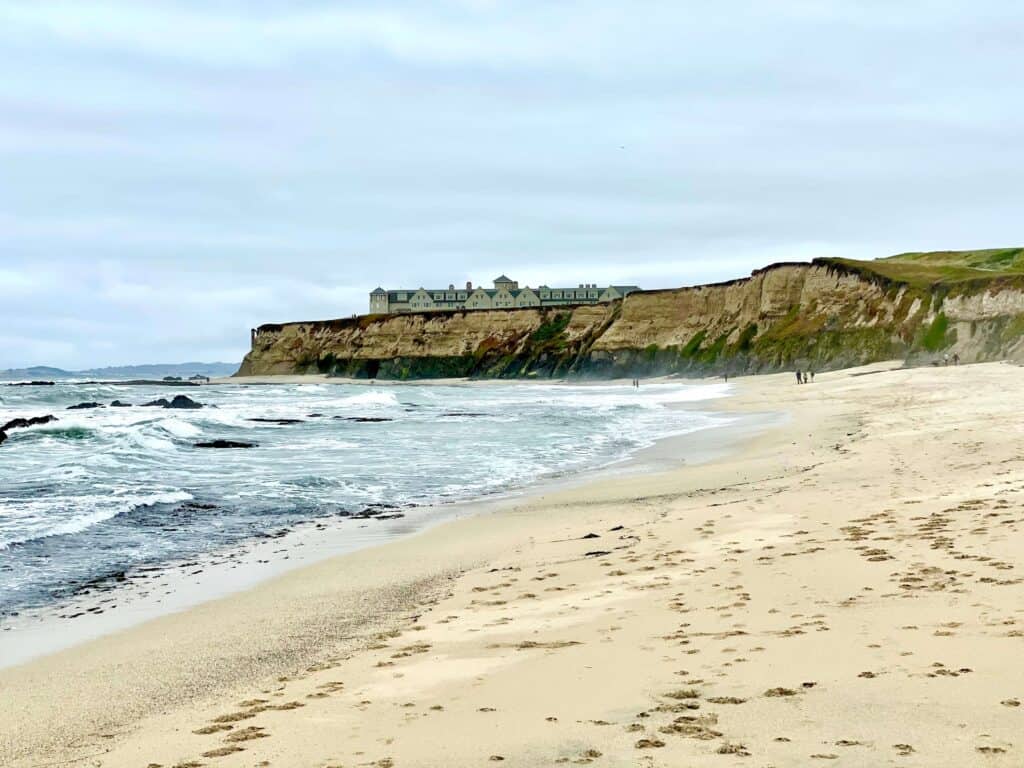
(100, 492)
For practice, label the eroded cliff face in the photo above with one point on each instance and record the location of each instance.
(483, 343)
(807, 315)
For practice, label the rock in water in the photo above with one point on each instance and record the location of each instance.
(119, 404)
(83, 406)
(21, 423)
(225, 444)
(181, 401)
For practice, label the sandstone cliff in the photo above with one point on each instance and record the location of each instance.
(829, 313)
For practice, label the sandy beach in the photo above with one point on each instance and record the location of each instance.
(845, 588)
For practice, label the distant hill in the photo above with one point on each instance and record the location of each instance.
(36, 372)
(153, 371)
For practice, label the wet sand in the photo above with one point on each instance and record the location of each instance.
(844, 589)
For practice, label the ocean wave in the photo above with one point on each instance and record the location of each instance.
(68, 432)
(420, 445)
(179, 427)
(372, 399)
(99, 510)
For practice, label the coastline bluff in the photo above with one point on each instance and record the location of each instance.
(829, 313)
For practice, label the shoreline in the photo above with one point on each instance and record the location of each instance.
(839, 587)
(155, 590)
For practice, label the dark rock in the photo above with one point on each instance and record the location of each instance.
(376, 512)
(183, 401)
(22, 423)
(198, 505)
(119, 404)
(590, 536)
(83, 406)
(225, 444)
(278, 421)
(179, 401)
(462, 413)
(597, 553)
(364, 419)
(31, 384)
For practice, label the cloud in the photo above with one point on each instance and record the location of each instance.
(177, 172)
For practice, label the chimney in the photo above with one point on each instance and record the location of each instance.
(469, 285)
(451, 286)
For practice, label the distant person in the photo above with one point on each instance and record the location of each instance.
(945, 359)
(799, 377)
(956, 359)
(726, 376)
(812, 377)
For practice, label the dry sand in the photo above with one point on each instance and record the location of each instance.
(846, 589)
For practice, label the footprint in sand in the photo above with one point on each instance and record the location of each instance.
(223, 751)
(649, 744)
(247, 734)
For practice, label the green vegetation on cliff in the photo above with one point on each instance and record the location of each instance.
(940, 268)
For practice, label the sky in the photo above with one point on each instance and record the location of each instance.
(175, 173)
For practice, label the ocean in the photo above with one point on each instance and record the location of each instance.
(106, 492)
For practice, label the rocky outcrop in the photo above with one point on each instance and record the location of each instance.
(23, 423)
(179, 401)
(821, 315)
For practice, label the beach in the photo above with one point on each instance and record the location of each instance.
(843, 587)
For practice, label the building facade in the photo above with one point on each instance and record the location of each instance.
(506, 294)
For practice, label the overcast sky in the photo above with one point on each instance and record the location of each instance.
(174, 173)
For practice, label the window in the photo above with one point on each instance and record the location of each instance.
(462, 296)
(402, 297)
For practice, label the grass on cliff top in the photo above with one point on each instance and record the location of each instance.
(937, 267)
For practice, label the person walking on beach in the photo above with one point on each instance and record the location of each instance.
(812, 376)
(799, 378)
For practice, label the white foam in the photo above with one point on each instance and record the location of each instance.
(91, 511)
(375, 398)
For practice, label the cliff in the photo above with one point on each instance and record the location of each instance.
(826, 314)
